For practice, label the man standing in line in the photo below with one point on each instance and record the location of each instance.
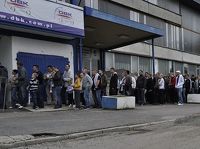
(40, 97)
(113, 82)
(22, 84)
(103, 82)
(57, 83)
(96, 89)
(86, 86)
(179, 87)
(128, 83)
(67, 83)
(140, 86)
(3, 79)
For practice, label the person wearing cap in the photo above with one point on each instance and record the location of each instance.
(179, 86)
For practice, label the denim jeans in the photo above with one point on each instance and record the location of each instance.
(77, 98)
(40, 97)
(23, 100)
(180, 95)
(57, 97)
(14, 97)
(98, 96)
(86, 93)
(34, 98)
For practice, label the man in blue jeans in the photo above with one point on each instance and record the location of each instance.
(96, 88)
(57, 83)
(22, 84)
(40, 97)
(179, 86)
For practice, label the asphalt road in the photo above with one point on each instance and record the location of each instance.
(178, 135)
(64, 122)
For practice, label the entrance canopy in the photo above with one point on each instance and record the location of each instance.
(106, 31)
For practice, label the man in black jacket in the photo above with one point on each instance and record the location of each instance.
(57, 83)
(103, 82)
(140, 86)
(22, 84)
(187, 86)
(113, 82)
(40, 96)
(3, 79)
(149, 88)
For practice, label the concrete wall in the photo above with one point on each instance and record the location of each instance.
(143, 49)
(41, 47)
(151, 10)
(6, 52)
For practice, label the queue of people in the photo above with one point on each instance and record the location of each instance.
(85, 91)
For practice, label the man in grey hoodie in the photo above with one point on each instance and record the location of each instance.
(86, 86)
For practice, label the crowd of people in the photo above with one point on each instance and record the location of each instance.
(159, 89)
(85, 91)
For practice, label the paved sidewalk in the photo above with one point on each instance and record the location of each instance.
(70, 121)
(19, 127)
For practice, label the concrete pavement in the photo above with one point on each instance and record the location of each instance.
(184, 135)
(71, 121)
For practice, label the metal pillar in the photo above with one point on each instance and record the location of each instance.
(102, 60)
(153, 57)
(75, 55)
(81, 54)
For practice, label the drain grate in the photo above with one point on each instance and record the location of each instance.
(47, 134)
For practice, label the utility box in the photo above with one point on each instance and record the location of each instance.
(193, 98)
(118, 102)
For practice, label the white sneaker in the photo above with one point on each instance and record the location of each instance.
(70, 105)
(10, 107)
(17, 104)
(20, 107)
(74, 106)
(180, 104)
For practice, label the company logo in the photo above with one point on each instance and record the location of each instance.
(15, 5)
(63, 16)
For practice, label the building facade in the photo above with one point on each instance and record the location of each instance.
(178, 49)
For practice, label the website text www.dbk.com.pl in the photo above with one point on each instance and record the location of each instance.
(26, 21)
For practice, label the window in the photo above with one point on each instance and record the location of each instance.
(157, 23)
(109, 60)
(134, 16)
(179, 66)
(134, 64)
(171, 5)
(114, 9)
(163, 66)
(144, 64)
(123, 61)
(192, 69)
(191, 42)
(173, 37)
(190, 18)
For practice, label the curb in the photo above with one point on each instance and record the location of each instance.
(80, 134)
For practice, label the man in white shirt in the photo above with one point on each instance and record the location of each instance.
(179, 86)
(161, 86)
